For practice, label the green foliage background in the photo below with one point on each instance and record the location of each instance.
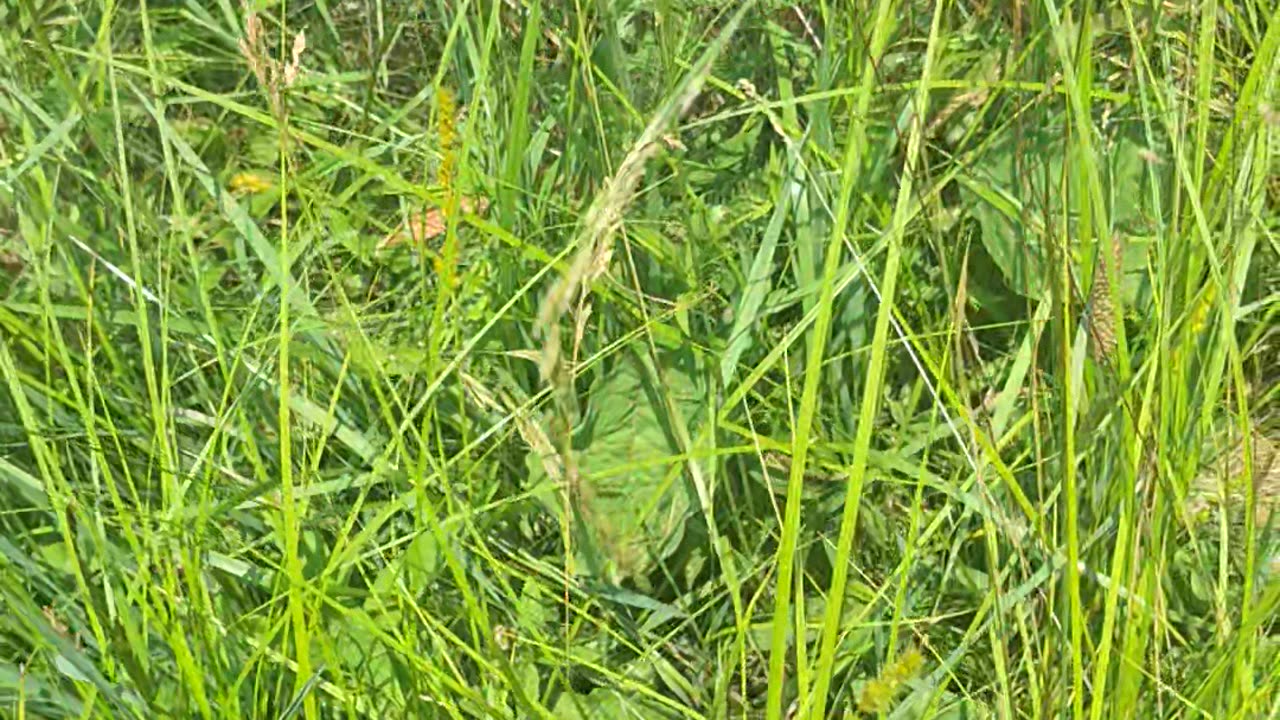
(766, 362)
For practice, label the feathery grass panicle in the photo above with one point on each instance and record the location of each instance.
(273, 76)
(605, 211)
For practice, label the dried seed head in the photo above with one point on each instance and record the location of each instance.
(1101, 309)
(251, 46)
(294, 67)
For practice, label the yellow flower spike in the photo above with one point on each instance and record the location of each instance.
(878, 694)
(447, 130)
(446, 176)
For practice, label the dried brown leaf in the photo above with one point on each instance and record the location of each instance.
(430, 223)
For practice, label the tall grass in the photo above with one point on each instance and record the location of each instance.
(643, 360)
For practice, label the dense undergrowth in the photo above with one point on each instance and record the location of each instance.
(648, 359)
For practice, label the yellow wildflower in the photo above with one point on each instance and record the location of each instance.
(248, 183)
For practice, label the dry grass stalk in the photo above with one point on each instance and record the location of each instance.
(272, 75)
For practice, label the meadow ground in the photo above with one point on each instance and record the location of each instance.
(640, 359)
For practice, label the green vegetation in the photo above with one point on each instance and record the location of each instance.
(642, 359)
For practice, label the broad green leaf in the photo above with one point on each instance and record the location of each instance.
(632, 502)
(1015, 194)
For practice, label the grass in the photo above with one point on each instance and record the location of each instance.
(639, 360)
